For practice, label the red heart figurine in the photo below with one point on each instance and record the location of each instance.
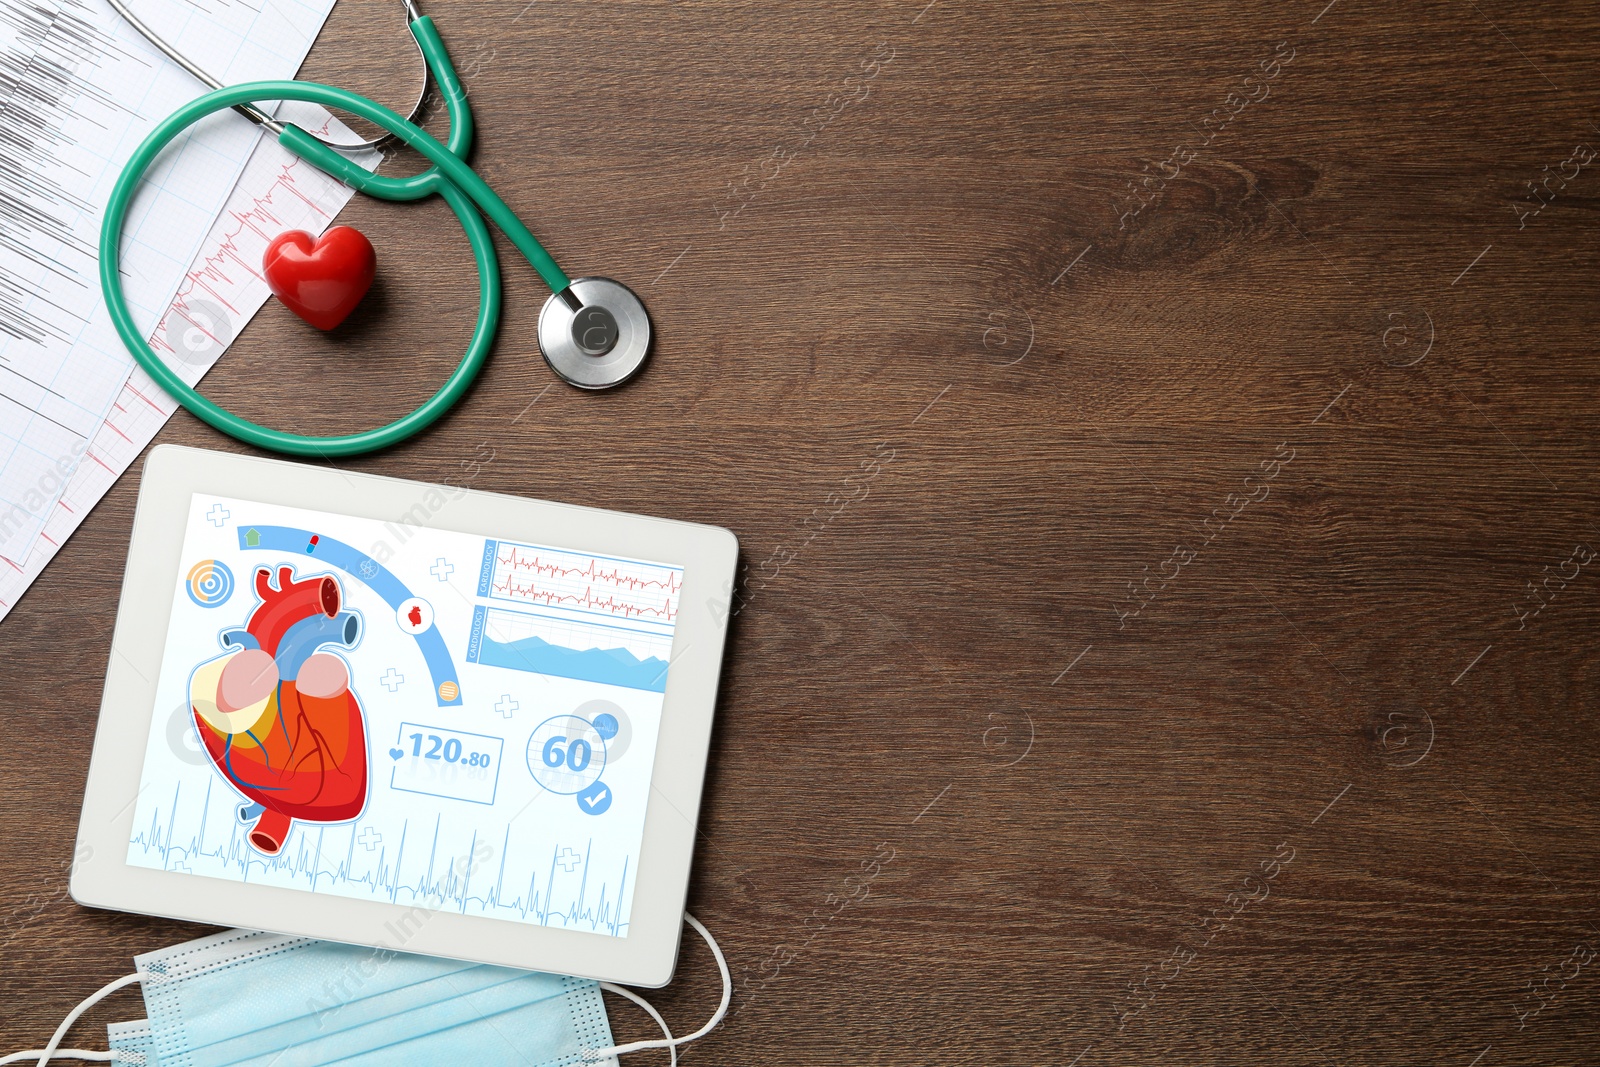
(323, 280)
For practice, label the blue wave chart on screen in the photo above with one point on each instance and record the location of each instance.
(593, 618)
(416, 716)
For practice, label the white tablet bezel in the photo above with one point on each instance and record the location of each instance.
(646, 956)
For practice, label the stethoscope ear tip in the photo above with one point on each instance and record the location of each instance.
(603, 341)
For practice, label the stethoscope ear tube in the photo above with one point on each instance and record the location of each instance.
(255, 114)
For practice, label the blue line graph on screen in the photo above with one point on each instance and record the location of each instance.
(569, 891)
(589, 652)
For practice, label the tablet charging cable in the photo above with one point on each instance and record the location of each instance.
(431, 1009)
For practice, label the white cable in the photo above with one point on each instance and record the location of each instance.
(649, 1009)
(722, 1008)
(52, 1049)
(60, 1054)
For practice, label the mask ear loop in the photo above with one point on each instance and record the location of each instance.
(671, 1042)
(650, 1010)
(54, 1049)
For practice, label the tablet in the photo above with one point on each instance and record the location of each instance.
(413, 716)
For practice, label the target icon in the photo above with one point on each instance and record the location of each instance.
(209, 583)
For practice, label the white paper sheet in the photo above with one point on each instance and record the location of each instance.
(79, 90)
(219, 293)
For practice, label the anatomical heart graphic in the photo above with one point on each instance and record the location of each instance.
(276, 713)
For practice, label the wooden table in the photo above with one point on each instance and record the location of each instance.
(1162, 439)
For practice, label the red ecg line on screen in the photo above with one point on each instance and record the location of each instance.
(591, 570)
(586, 599)
(521, 586)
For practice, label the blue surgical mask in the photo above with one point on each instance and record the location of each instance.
(132, 1044)
(270, 1000)
(245, 998)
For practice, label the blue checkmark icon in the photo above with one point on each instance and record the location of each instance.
(595, 799)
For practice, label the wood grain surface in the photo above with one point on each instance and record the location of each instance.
(1162, 439)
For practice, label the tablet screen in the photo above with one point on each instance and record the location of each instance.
(389, 712)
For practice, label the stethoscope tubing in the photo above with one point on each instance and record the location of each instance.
(447, 166)
(450, 177)
(254, 114)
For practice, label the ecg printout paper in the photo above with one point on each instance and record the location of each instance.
(220, 292)
(79, 90)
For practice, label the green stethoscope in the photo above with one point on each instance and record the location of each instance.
(593, 332)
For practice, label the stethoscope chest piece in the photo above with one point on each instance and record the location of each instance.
(600, 343)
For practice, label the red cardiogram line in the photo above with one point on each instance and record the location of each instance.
(210, 276)
(215, 274)
(217, 271)
(587, 599)
(517, 561)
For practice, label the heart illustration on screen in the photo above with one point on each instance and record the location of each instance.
(396, 753)
(320, 279)
(276, 714)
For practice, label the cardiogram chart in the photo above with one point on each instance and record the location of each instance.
(79, 89)
(219, 294)
(381, 711)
